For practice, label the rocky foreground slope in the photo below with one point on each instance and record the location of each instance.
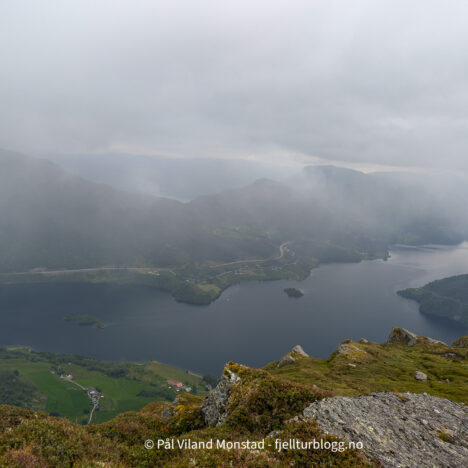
(398, 430)
(404, 400)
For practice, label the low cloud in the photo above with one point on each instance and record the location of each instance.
(360, 82)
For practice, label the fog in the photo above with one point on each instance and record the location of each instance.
(221, 106)
(359, 83)
(181, 178)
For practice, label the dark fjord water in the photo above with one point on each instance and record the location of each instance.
(252, 323)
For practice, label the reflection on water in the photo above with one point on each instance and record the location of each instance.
(252, 323)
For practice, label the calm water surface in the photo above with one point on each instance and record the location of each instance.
(252, 323)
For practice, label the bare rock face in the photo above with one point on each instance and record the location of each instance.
(461, 342)
(407, 430)
(214, 405)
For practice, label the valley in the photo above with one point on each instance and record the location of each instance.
(233, 234)
(65, 385)
(331, 401)
(344, 299)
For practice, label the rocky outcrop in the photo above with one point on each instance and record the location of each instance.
(214, 405)
(289, 358)
(461, 342)
(405, 430)
(351, 351)
(286, 359)
(402, 336)
(298, 350)
(418, 375)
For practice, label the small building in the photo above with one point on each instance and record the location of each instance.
(172, 383)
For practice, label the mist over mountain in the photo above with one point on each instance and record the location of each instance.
(398, 207)
(51, 218)
(180, 178)
(343, 205)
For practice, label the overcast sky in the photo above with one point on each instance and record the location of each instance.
(366, 82)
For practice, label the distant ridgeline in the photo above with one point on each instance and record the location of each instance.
(55, 226)
(446, 297)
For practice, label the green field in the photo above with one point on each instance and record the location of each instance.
(33, 380)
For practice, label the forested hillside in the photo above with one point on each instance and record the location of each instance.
(52, 219)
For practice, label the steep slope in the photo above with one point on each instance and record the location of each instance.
(270, 417)
(50, 218)
(342, 206)
(447, 297)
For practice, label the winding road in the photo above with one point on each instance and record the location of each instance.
(89, 270)
(280, 255)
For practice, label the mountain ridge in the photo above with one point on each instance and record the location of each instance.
(53, 220)
(296, 401)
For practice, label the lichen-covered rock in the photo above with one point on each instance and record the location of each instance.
(402, 336)
(418, 375)
(410, 430)
(431, 341)
(461, 342)
(299, 350)
(352, 351)
(289, 358)
(286, 359)
(214, 405)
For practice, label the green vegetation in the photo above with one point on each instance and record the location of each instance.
(265, 231)
(385, 367)
(36, 380)
(263, 400)
(293, 292)
(200, 284)
(446, 298)
(446, 437)
(84, 320)
(17, 391)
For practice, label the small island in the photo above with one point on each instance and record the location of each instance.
(84, 320)
(293, 292)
